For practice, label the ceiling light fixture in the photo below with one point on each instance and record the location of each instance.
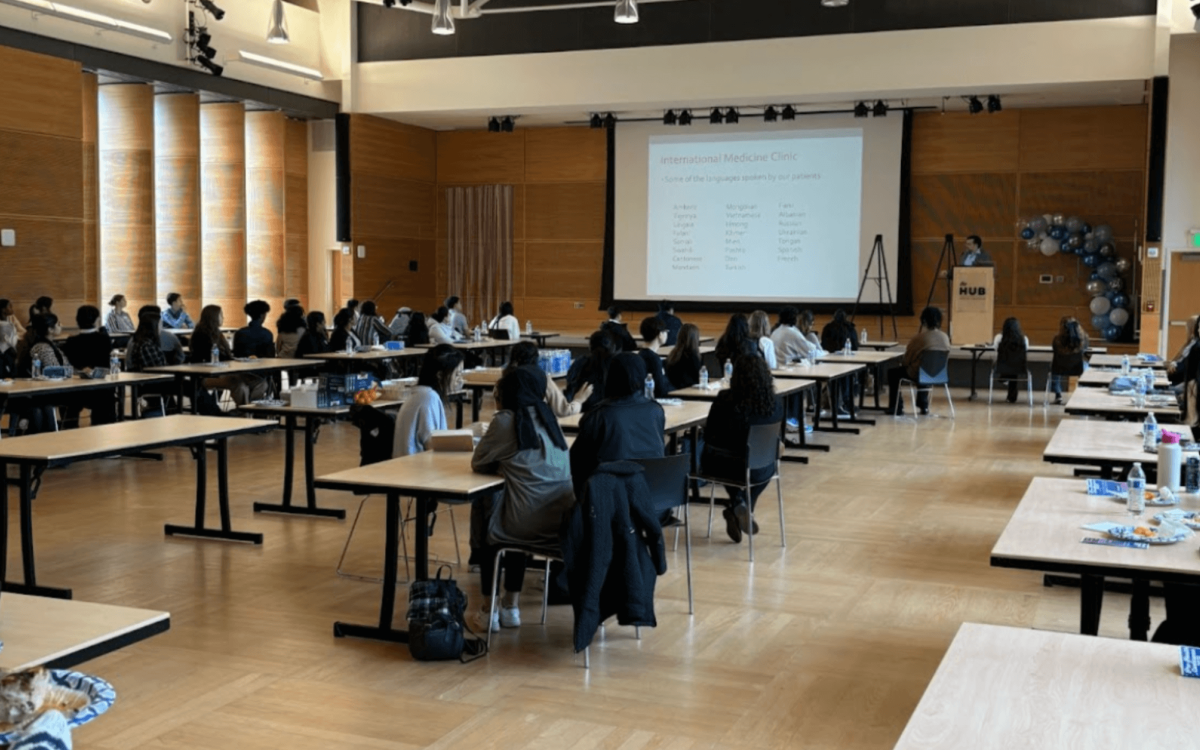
(507, 124)
(669, 117)
(993, 104)
(1196, 12)
(861, 109)
(770, 114)
(99, 20)
(880, 109)
(685, 117)
(732, 116)
(714, 117)
(788, 113)
(443, 23)
(610, 121)
(493, 125)
(280, 65)
(626, 11)
(974, 106)
(277, 32)
(835, 3)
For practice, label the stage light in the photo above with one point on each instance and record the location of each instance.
(210, 66)
(493, 125)
(685, 117)
(596, 122)
(389, 3)
(610, 121)
(626, 11)
(1196, 12)
(443, 23)
(993, 104)
(732, 116)
(277, 32)
(974, 106)
(880, 109)
(507, 124)
(861, 109)
(202, 47)
(788, 113)
(669, 117)
(212, 9)
(714, 117)
(770, 114)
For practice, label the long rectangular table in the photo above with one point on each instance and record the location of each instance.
(1000, 688)
(60, 634)
(1044, 534)
(785, 389)
(1114, 360)
(346, 362)
(1101, 378)
(834, 377)
(19, 388)
(1097, 402)
(878, 360)
(33, 454)
(428, 477)
(197, 373)
(978, 350)
(313, 417)
(1113, 447)
(483, 380)
(540, 337)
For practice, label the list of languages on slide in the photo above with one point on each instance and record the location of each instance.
(750, 217)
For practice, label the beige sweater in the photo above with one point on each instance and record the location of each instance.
(926, 341)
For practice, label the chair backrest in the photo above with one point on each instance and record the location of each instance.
(763, 445)
(934, 368)
(1069, 364)
(499, 334)
(1011, 361)
(667, 479)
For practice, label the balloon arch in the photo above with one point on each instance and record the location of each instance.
(1053, 234)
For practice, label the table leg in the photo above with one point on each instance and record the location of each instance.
(975, 357)
(694, 436)
(783, 436)
(1091, 598)
(854, 418)
(199, 529)
(391, 550)
(3, 520)
(310, 492)
(476, 403)
(458, 420)
(835, 397)
(1139, 610)
(28, 562)
(804, 444)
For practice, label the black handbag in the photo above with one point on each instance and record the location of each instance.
(436, 621)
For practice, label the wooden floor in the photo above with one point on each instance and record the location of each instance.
(828, 644)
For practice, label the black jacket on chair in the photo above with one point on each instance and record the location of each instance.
(613, 551)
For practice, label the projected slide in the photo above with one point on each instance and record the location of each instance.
(771, 215)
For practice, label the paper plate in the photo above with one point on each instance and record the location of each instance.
(1190, 518)
(1126, 533)
(80, 697)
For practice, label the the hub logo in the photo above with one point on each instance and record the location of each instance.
(964, 290)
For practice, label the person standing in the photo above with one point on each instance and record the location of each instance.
(976, 255)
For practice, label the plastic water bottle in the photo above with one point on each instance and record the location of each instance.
(1148, 379)
(728, 371)
(1136, 500)
(1125, 365)
(1139, 389)
(477, 335)
(703, 377)
(37, 369)
(1192, 475)
(529, 328)
(862, 337)
(114, 365)
(349, 347)
(216, 355)
(1170, 461)
(649, 388)
(848, 348)
(1150, 433)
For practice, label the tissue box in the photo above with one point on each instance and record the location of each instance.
(396, 390)
(305, 398)
(462, 441)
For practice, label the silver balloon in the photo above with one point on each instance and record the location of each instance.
(1107, 250)
(1097, 287)
(1034, 244)
(1050, 246)
(1100, 306)
(1074, 224)
(1116, 284)
(1122, 265)
(1058, 219)
(1104, 233)
(1118, 317)
(1107, 271)
(1039, 225)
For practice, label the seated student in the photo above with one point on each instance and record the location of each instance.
(1185, 375)
(457, 320)
(749, 400)
(760, 332)
(624, 425)
(399, 324)
(1011, 347)
(8, 316)
(591, 369)
(370, 328)
(41, 307)
(666, 313)
(39, 345)
(418, 330)
(791, 345)
(89, 350)
(118, 320)
(1181, 356)
(314, 340)
(175, 316)
(526, 354)
(684, 363)
(837, 332)
(930, 338)
(172, 347)
(1068, 346)
(343, 332)
(352, 306)
(206, 337)
(145, 347)
(505, 319)
(808, 328)
(654, 333)
(425, 409)
(525, 445)
(8, 350)
(254, 340)
(440, 331)
(736, 341)
(290, 328)
(616, 327)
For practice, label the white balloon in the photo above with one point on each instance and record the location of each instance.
(1050, 246)
(1100, 305)
(1119, 316)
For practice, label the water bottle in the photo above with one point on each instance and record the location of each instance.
(1139, 389)
(649, 389)
(1150, 433)
(704, 377)
(216, 355)
(862, 337)
(529, 328)
(349, 347)
(848, 348)
(37, 369)
(1136, 500)
(114, 365)
(477, 335)
(1192, 475)
(1125, 365)
(1170, 461)
(1148, 378)
(728, 371)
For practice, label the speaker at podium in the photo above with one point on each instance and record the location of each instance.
(972, 310)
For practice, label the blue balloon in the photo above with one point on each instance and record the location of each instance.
(1086, 228)
(1059, 232)
(1095, 277)
(1028, 234)
(1112, 333)
(1100, 322)
(1110, 295)
(1066, 247)
(1080, 251)
(1091, 261)
(1120, 301)
(1091, 246)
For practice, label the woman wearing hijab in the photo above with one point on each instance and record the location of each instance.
(624, 425)
(526, 353)
(524, 444)
(590, 369)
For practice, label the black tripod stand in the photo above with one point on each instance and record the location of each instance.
(877, 263)
(948, 253)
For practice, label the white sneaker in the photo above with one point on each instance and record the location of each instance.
(510, 617)
(482, 621)
(793, 425)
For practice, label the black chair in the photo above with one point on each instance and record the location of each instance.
(933, 371)
(499, 334)
(762, 448)
(668, 481)
(1014, 368)
(1067, 365)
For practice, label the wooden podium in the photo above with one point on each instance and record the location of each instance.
(972, 310)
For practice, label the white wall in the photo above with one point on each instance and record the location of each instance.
(244, 27)
(809, 69)
(1181, 204)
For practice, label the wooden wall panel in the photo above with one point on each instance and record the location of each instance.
(223, 207)
(42, 175)
(126, 168)
(480, 158)
(47, 263)
(964, 204)
(1088, 138)
(392, 149)
(266, 235)
(296, 210)
(565, 270)
(387, 261)
(566, 211)
(39, 94)
(960, 142)
(1113, 197)
(566, 155)
(177, 196)
(91, 187)
(391, 207)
